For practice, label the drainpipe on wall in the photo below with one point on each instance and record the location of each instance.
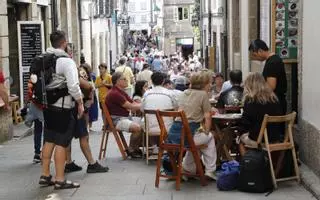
(55, 15)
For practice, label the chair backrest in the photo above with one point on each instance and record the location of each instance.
(146, 120)
(185, 131)
(109, 122)
(150, 112)
(287, 119)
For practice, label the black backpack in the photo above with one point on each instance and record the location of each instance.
(255, 175)
(44, 66)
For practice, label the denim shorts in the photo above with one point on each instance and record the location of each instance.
(34, 113)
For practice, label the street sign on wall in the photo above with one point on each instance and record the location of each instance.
(31, 44)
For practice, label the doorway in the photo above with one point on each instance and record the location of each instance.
(186, 50)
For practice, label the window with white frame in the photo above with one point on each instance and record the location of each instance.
(143, 19)
(143, 5)
(132, 7)
(183, 13)
(132, 19)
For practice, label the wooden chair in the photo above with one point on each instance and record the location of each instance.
(172, 149)
(286, 144)
(15, 105)
(118, 135)
(148, 134)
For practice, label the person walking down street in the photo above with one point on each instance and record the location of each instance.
(93, 110)
(82, 132)
(127, 73)
(157, 64)
(273, 71)
(145, 74)
(60, 117)
(35, 116)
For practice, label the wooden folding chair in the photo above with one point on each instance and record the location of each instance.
(118, 135)
(173, 149)
(148, 134)
(286, 144)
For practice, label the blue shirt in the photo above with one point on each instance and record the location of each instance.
(156, 64)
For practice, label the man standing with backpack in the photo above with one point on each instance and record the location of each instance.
(60, 116)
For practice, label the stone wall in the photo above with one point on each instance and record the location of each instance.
(6, 130)
(307, 133)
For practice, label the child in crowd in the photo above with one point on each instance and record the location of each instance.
(103, 83)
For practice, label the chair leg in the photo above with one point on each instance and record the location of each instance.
(173, 162)
(158, 167)
(117, 136)
(123, 140)
(274, 181)
(179, 171)
(102, 145)
(295, 163)
(147, 149)
(105, 150)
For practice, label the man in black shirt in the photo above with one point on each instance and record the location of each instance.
(233, 96)
(273, 71)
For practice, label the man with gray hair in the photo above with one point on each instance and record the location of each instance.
(119, 103)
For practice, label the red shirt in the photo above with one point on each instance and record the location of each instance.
(1, 77)
(115, 100)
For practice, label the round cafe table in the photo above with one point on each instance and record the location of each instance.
(226, 120)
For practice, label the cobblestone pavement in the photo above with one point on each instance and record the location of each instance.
(129, 179)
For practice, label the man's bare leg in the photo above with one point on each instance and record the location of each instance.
(47, 151)
(59, 161)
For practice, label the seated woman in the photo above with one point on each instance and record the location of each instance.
(139, 90)
(195, 103)
(259, 100)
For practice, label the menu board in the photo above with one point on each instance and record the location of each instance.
(286, 28)
(31, 44)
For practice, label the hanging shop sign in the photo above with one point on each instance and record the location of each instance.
(31, 44)
(285, 25)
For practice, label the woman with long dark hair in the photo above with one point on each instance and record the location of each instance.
(139, 90)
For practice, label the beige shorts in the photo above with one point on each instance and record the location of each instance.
(125, 123)
(247, 141)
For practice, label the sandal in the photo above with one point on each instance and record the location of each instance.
(46, 180)
(66, 184)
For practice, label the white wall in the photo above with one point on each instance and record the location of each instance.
(310, 63)
(139, 9)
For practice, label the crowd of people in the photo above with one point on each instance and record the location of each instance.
(152, 81)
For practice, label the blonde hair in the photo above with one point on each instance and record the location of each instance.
(257, 90)
(200, 79)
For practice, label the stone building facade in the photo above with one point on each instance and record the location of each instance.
(178, 31)
(88, 35)
(308, 129)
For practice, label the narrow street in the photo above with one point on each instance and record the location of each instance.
(129, 179)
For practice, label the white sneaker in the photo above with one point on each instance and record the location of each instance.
(211, 175)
